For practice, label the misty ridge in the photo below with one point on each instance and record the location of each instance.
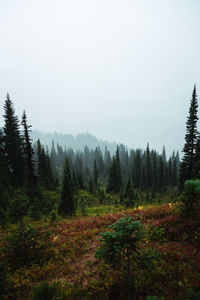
(77, 142)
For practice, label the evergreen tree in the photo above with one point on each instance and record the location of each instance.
(91, 185)
(143, 178)
(115, 177)
(137, 169)
(53, 156)
(169, 172)
(174, 170)
(74, 179)
(13, 144)
(51, 177)
(107, 161)
(128, 189)
(4, 173)
(111, 178)
(95, 172)
(191, 137)
(129, 194)
(155, 169)
(81, 181)
(161, 174)
(44, 168)
(66, 205)
(148, 168)
(28, 151)
(118, 175)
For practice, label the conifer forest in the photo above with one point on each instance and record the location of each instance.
(94, 223)
(99, 150)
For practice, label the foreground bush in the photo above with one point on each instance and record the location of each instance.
(45, 291)
(191, 197)
(120, 249)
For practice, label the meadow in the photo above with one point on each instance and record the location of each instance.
(61, 251)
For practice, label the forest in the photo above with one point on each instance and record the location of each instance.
(98, 223)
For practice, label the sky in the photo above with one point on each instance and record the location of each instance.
(122, 70)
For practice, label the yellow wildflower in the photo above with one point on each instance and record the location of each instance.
(140, 207)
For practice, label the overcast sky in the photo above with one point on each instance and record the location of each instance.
(121, 70)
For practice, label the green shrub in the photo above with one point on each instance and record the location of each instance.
(45, 291)
(120, 249)
(24, 248)
(193, 295)
(157, 234)
(52, 216)
(191, 197)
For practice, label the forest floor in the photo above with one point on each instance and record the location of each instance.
(67, 256)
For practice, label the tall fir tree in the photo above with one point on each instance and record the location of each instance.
(118, 174)
(148, 168)
(13, 144)
(95, 173)
(44, 168)
(115, 176)
(29, 163)
(191, 137)
(66, 205)
(161, 174)
(137, 170)
(111, 176)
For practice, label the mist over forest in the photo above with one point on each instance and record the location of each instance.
(77, 142)
(99, 150)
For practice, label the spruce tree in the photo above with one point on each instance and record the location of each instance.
(111, 176)
(28, 151)
(155, 169)
(137, 171)
(13, 144)
(66, 205)
(161, 174)
(118, 175)
(95, 172)
(91, 185)
(115, 177)
(191, 137)
(174, 170)
(148, 168)
(128, 189)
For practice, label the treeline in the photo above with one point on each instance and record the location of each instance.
(144, 168)
(28, 170)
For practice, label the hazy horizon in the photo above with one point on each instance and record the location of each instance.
(123, 71)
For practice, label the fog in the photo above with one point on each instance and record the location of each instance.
(123, 71)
